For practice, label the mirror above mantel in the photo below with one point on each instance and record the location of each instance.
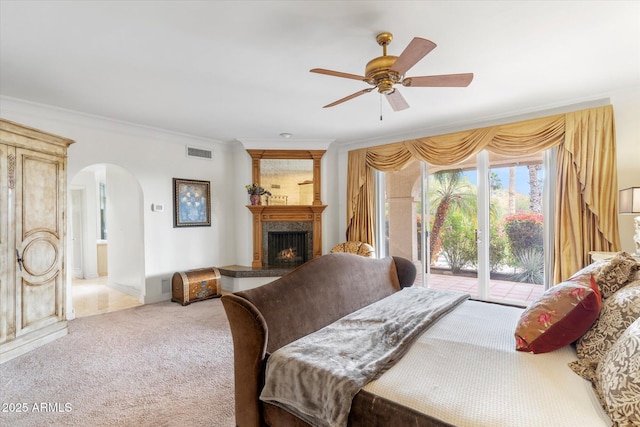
(290, 181)
(291, 176)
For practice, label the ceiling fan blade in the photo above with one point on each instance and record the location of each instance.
(397, 101)
(346, 98)
(444, 80)
(337, 74)
(414, 52)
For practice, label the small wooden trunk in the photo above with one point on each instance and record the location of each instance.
(195, 285)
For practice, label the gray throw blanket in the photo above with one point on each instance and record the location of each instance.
(317, 376)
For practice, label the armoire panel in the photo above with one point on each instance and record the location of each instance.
(38, 303)
(40, 195)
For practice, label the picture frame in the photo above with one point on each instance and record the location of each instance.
(191, 203)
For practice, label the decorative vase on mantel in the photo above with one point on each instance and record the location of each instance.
(254, 199)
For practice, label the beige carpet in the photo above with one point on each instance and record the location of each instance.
(154, 365)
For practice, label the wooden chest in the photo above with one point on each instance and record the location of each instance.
(195, 285)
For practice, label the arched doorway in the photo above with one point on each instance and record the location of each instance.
(107, 240)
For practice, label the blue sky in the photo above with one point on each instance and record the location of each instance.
(522, 178)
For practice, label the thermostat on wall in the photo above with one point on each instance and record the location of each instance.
(157, 207)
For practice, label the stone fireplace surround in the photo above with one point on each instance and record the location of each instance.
(284, 226)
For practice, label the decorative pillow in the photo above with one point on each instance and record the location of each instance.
(559, 316)
(618, 379)
(618, 312)
(610, 274)
(354, 247)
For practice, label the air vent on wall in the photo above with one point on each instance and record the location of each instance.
(200, 153)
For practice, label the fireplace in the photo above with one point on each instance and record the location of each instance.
(286, 248)
(286, 244)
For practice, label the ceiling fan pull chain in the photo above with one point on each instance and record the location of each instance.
(380, 107)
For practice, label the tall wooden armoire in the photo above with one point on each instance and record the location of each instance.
(33, 187)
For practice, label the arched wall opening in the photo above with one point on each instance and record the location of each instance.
(107, 229)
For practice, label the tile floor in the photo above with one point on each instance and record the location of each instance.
(524, 293)
(93, 296)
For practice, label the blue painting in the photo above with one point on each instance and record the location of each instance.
(192, 206)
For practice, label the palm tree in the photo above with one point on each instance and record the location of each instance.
(512, 190)
(450, 189)
(535, 195)
(495, 183)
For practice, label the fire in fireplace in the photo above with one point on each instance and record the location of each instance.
(286, 248)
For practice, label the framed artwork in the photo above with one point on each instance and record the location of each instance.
(191, 203)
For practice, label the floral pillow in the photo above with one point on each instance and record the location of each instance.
(618, 379)
(559, 316)
(611, 274)
(618, 312)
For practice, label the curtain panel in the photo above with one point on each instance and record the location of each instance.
(586, 201)
(360, 199)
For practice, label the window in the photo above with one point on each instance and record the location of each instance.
(103, 211)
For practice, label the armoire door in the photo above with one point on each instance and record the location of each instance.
(39, 230)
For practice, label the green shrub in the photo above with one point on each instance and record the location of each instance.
(458, 243)
(498, 245)
(525, 231)
(531, 266)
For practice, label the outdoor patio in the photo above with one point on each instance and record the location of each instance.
(499, 289)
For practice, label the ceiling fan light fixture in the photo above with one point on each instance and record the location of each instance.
(385, 86)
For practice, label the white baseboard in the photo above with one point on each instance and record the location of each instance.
(125, 289)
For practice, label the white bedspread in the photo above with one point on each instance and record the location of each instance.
(464, 370)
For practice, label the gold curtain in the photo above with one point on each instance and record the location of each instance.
(586, 180)
(360, 199)
(586, 215)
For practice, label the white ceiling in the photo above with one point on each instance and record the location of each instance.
(228, 70)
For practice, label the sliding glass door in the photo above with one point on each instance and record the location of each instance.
(453, 223)
(475, 227)
(516, 227)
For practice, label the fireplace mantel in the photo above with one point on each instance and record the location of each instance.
(287, 213)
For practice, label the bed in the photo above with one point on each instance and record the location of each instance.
(462, 369)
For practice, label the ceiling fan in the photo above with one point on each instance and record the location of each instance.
(385, 71)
